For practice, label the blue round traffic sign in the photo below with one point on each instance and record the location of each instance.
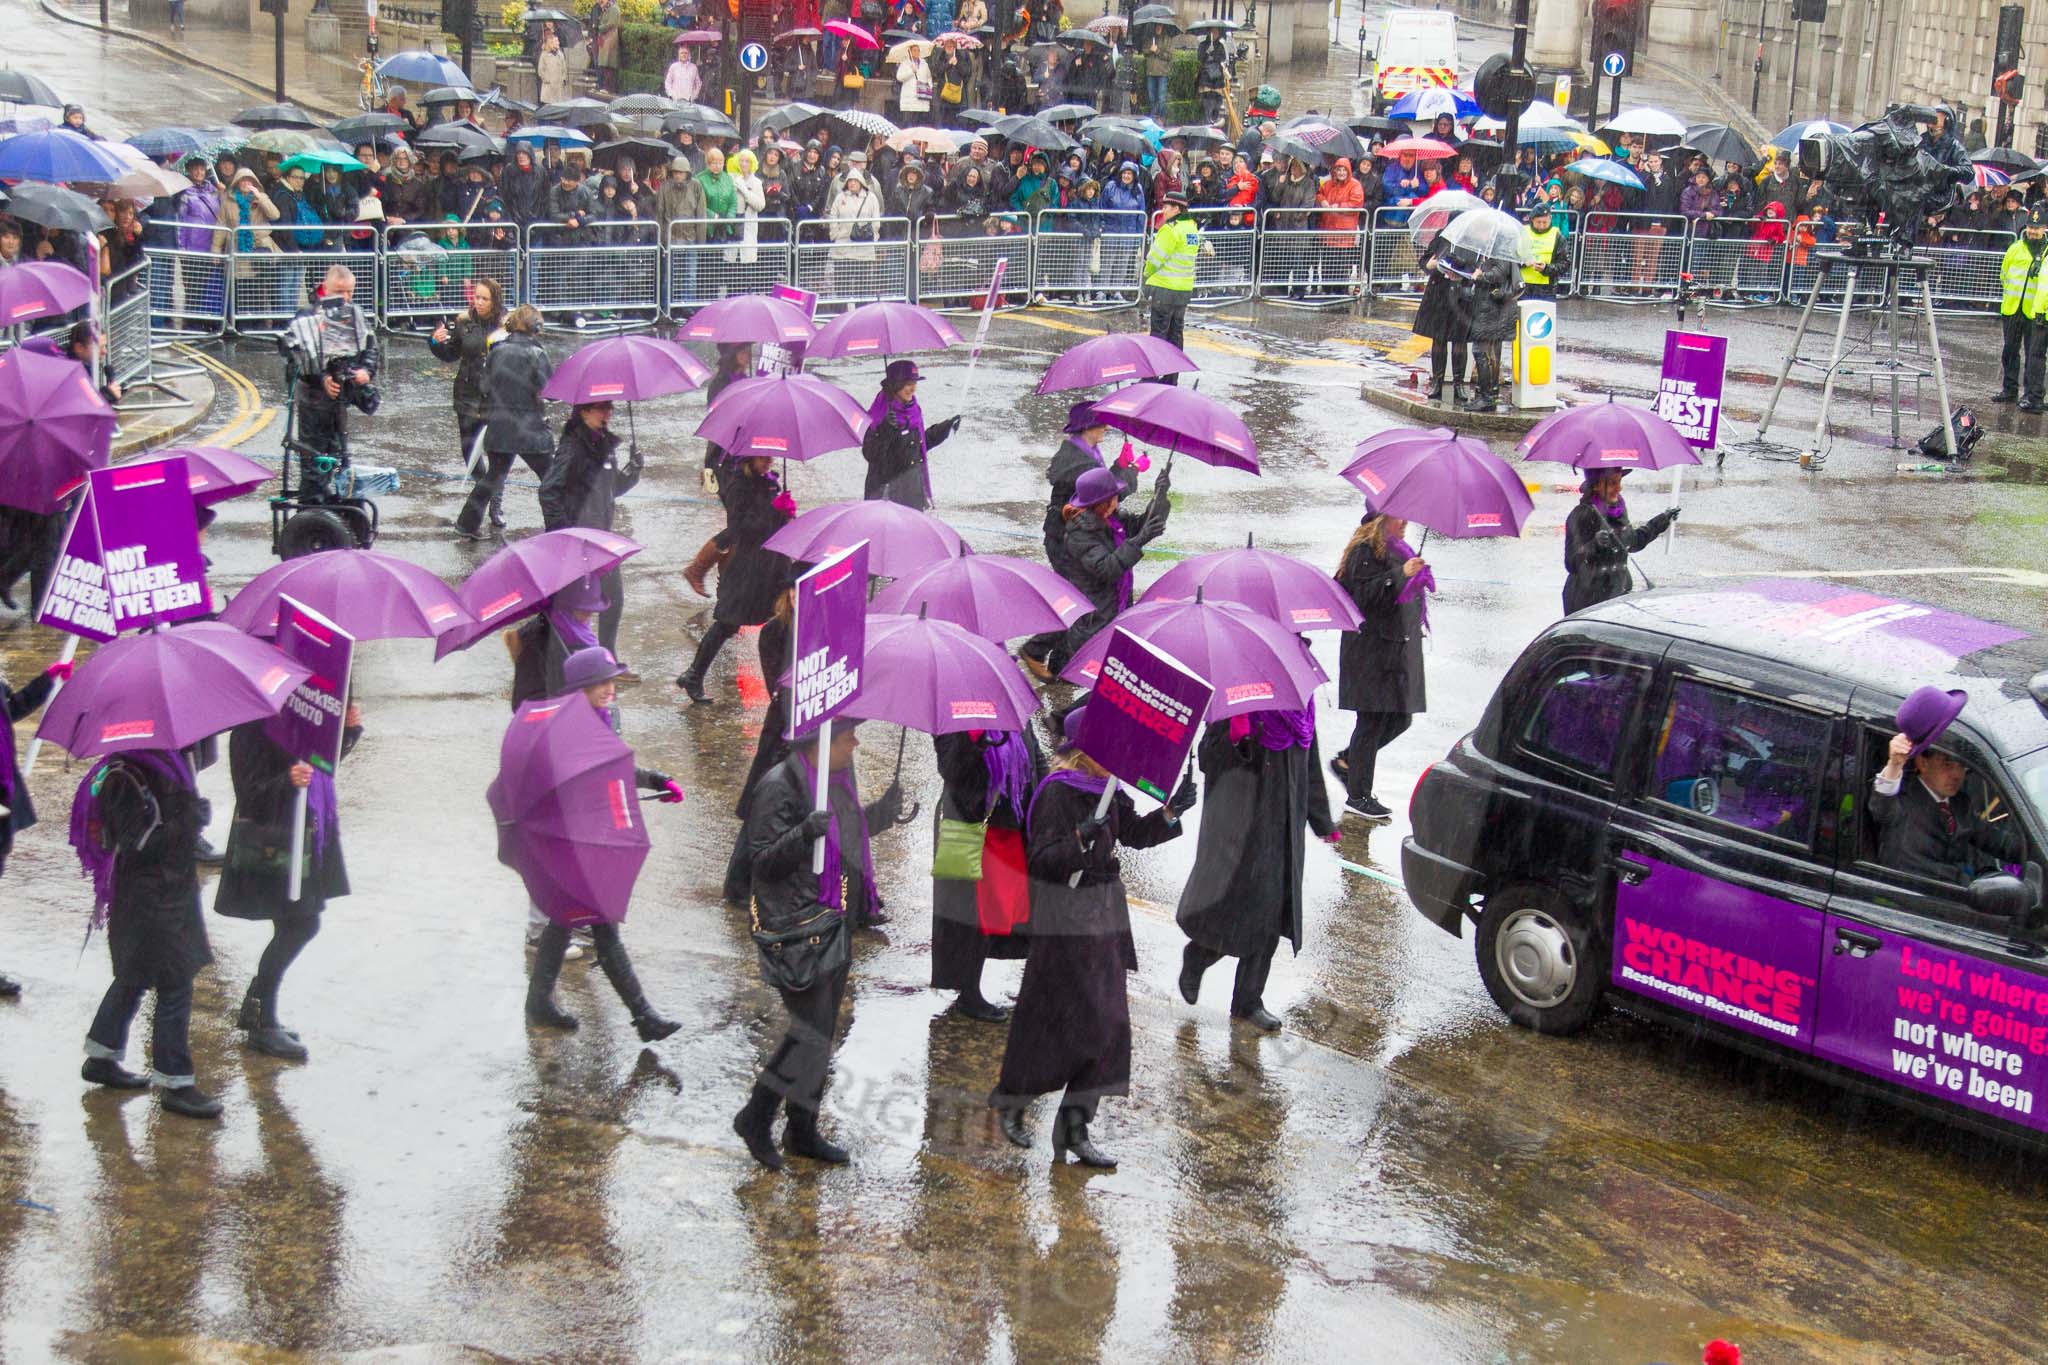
(1540, 323)
(754, 57)
(1614, 64)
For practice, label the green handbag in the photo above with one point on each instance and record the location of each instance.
(956, 852)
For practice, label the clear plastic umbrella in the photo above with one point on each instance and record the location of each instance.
(1537, 115)
(1648, 122)
(1491, 235)
(1428, 218)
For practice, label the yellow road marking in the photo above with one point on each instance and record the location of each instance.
(1405, 351)
(1197, 340)
(251, 416)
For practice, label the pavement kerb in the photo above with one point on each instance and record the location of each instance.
(160, 428)
(56, 11)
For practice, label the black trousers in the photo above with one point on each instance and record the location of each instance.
(1372, 732)
(796, 1070)
(1486, 367)
(1249, 991)
(613, 585)
(1456, 356)
(2028, 338)
(489, 483)
(288, 938)
(1169, 319)
(707, 648)
(170, 1047)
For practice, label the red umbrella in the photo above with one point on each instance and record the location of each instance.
(993, 596)
(54, 429)
(940, 679)
(1280, 588)
(901, 540)
(1423, 148)
(568, 813)
(40, 289)
(789, 417)
(1448, 483)
(216, 474)
(853, 33)
(369, 594)
(748, 317)
(624, 367)
(1253, 663)
(884, 328)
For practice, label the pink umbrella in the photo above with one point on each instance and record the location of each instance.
(940, 679)
(993, 596)
(167, 689)
(698, 37)
(1185, 422)
(1294, 593)
(748, 317)
(790, 417)
(54, 429)
(1114, 359)
(853, 33)
(627, 368)
(40, 289)
(1608, 436)
(518, 580)
(1422, 148)
(1442, 481)
(901, 540)
(1254, 663)
(217, 474)
(369, 594)
(568, 812)
(884, 328)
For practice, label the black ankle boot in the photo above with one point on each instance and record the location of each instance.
(1190, 975)
(802, 1138)
(190, 1101)
(752, 1125)
(541, 1009)
(1070, 1134)
(618, 969)
(111, 1074)
(1015, 1129)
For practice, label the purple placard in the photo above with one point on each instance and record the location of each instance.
(76, 600)
(1959, 1028)
(310, 725)
(1689, 389)
(788, 356)
(1143, 715)
(829, 634)
(149, 543)
(1731, 955)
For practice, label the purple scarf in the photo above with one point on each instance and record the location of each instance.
(9, 774)
(1288, 729)
(886, 409)
(1008, 762)
(1424, 582)
(831, 889)
(1613, 511)
(1067, 777)
(320, 807)
(573, 633)
(95, 858)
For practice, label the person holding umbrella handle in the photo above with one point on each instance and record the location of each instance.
(1598, 539)
(1103, 545)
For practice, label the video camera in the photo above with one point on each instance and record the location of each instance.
(364, 398)
(1881, 168)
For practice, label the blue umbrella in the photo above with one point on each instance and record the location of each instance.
(158, 143)
(1600, 168)
(1820, 127)
(423, 68)
(58, 156)
(544, 132)
(1545, 138)
(1427, 104)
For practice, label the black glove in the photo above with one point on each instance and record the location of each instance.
(1605, 539)
(1183, 799)
(1154, 524)
(1087, 832)
(1162, 484)
(887, 806)
(934, 434)
(815, 824)
(1665, 518)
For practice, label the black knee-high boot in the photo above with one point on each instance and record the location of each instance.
(541, 1008)
(752, 1125)
(618, 969)
(1439, 357)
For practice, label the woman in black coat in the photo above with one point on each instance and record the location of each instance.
(756, 507)
(1491, 301)
(1441, 317)
(582, 487)
(135, 825)
(467, 342)
(1379, 666)
(516, 419)
(17, 811)
(898, 441)
(989, 777)
(772, 746)
(253, 883)
(1071, 1029)
(1262, 778)
(1598, 539)
(1103, 544)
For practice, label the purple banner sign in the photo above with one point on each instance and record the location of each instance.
(1689, 389)
(131, 557)
(310, 725)
(788, 357)
(1144, 715)
(76, 600)
(830, 638)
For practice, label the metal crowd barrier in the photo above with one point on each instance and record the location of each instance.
(706, 264)
(603, 276)
(1736, 266)
(1394, 268)
(427, 269)
(1967, 279)
(956, 258)
(1642, 256)
(1302, 262)
(1088, 258)
(844, 265)
(1228, 271)
(188, 289)
(267, 287)
(124, 313)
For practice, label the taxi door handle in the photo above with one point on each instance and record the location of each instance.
(1855, 944)
(1631, 871)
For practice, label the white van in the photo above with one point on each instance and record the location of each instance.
(1418, 49)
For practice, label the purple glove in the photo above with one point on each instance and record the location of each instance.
(672, 794)
(1240, 729)
(61, 671)
(785, 503)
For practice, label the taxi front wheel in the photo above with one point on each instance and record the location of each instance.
(1539, 960)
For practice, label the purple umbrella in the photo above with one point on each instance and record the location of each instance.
(41, 289)
(1608, 436)
(369, 594)
(901, 540)
(166, 689)
(1113, 359)
(624, 367)
(884, 328)
(216, 474)
(1253, 663)
(788, 416)
(518, 580)
(993, 596)
(748, 317)
(1280, 588)
(54, 429)
(1183, 421)
(1448, 483)
(939, 679)
(568, 813)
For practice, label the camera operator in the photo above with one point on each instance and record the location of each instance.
(332, 348)
(2023, 281)
(1941, 143)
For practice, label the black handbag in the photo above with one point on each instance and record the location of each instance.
(263, 849)
(798, 958)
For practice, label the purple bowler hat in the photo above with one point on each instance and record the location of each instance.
(1096, 485)
(1927, 714)
(588, 668)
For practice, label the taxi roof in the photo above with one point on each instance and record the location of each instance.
(1888, 644)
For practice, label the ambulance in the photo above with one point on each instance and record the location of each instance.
(1418, 50)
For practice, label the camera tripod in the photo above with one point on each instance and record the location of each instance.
(1896, 274)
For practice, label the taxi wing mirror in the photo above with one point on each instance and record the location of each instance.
(2007, 897)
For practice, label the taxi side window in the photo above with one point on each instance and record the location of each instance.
(1984, 806)
(1581, 713)
(1740, 760)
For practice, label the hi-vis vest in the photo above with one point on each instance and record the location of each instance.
(1545, 244)
(1170, 261)
(2023, 276)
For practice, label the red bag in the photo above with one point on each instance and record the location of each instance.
(1002, 897)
